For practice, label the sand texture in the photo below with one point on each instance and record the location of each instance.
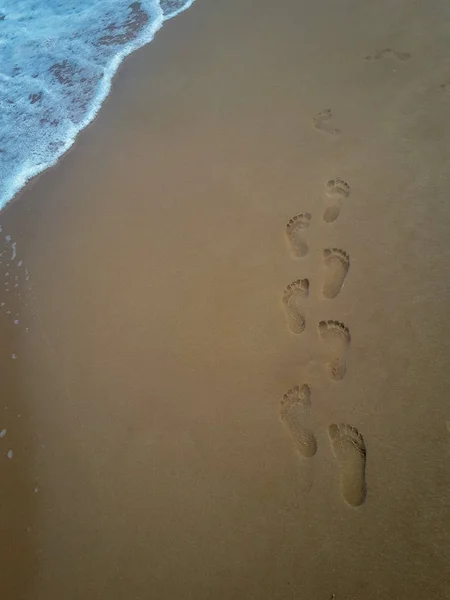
(229, 376)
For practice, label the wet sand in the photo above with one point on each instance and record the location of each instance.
(163, 449)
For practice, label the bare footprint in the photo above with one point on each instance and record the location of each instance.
(293, 298)
(294, 232)
(337, 187)
(322, 122)
(350, 451)
(336, 336)
(445, 87)
(337, 264)
(336, 191)
(389, 53)
(293, 409)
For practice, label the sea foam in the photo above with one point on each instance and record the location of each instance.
(57, 60)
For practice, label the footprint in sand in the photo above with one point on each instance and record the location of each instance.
(295, 232)
(388, 53)
(293, 299)
(445, 87)
(349, 450)
(336, 190)
(336, 336)
(322, 122)
(293, 411)
(337, 264)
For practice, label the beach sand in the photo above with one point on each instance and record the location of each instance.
(157, 450)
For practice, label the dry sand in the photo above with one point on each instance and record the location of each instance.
(157, 452)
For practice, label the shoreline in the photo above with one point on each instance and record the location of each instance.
(101, 96)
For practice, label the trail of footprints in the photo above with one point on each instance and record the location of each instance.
(346, 442)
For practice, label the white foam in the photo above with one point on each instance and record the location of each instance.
(57, 63)
(172, 9)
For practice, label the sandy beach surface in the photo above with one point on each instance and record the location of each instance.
(225, 319)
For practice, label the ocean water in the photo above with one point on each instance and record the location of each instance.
(57, 60)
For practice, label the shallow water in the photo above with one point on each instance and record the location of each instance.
(58, 58)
